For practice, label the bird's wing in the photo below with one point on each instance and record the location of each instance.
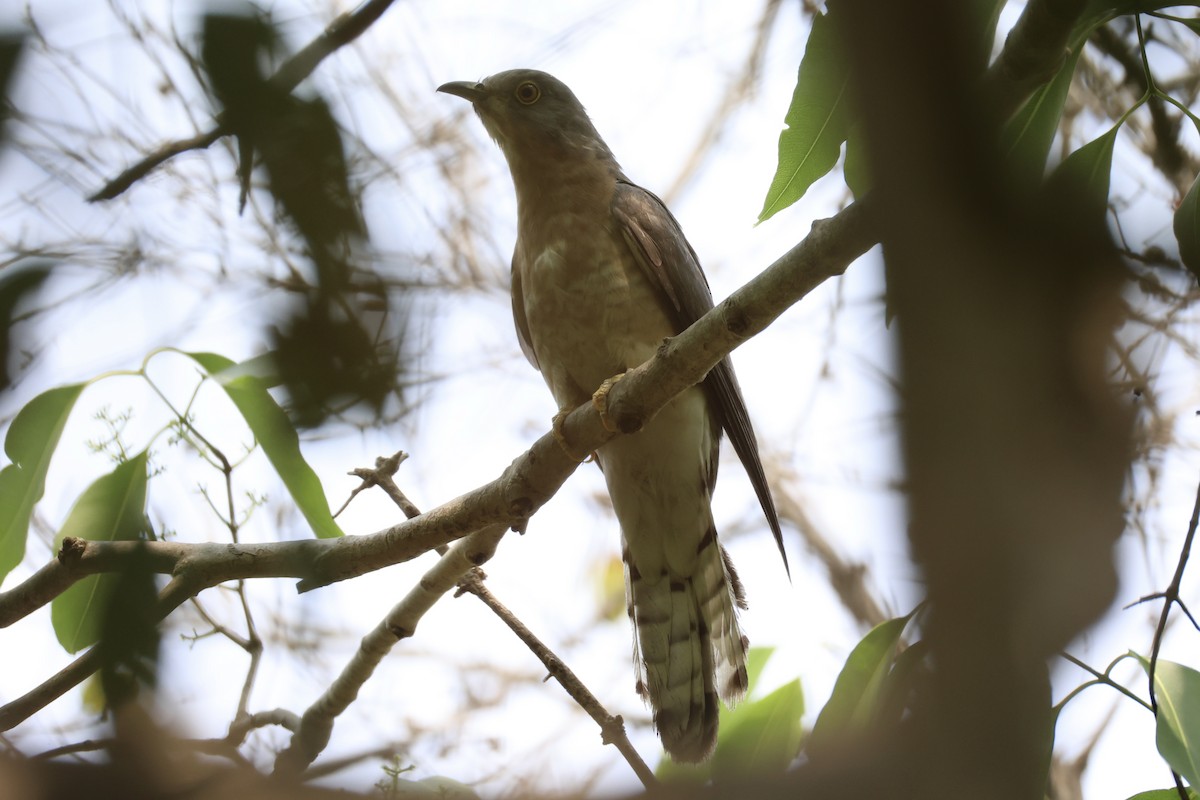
(519, 319)
(658, 243)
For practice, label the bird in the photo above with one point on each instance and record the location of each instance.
(601, 275)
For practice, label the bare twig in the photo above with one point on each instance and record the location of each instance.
(316, 724)
(1170, 597)
(612, 727)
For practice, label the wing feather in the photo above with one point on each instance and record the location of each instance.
(657, 241)
(519, 319)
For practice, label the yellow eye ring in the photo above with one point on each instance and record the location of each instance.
(528, 93)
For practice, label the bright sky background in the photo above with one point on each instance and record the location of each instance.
(818, 382)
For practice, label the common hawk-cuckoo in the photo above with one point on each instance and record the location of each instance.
(601, 274)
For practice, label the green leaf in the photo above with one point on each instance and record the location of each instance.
(906, 671)
(1177, 690)
(760, 738)
(983, 16)
(112, 509)
(1187, 229)
(1162, 794)
(1027, 137)
(855, 169)
(817, 119)
(30, 443)
(277, 437)
(1085, 173)
(756, 662)
(1192, 24)
(858, 692)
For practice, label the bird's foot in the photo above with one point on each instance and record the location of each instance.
(556, 430)
(600, 401)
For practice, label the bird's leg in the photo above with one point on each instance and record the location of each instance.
(556, 429)
(600, 401)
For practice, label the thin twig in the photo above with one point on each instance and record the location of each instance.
(612, 727)
(316, 724)
(1170, 596)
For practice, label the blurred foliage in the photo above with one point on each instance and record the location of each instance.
(329, 358)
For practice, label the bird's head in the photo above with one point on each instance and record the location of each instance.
(531, 115)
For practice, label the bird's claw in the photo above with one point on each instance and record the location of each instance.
(600, 402)
(556, 430)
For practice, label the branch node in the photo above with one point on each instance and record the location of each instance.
(71, 550)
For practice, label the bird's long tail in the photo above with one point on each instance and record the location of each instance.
(688, 648)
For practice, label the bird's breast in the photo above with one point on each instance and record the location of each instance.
(591, 310)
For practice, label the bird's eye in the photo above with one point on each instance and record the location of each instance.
(528, 93)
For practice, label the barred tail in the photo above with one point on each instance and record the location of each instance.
(688, 648)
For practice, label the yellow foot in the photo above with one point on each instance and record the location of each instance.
(556, 429)
(600, 401)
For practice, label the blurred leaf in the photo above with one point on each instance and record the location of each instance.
(327, 352)
(857, 693)
(1187, 228)
(298, 140)
(1030, 133)
(756, 662)
(11, 43)
(15, 285)
(901, 681)
(129, 636)
(984, 16)
(1193, 23)
(231, 44)
(327, 358)
(1049, 729)
(276, 436)
(1084, 175)
(1027, 137)
(92, 696)
(855, 169)
(760, 738)
(608, 580)
(1177, 690)
(30, 443)
(818, 118)
(1162, 794)
(112, 508)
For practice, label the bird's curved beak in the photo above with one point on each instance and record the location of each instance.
(464, 89)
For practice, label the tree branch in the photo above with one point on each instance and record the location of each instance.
(520, 490)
